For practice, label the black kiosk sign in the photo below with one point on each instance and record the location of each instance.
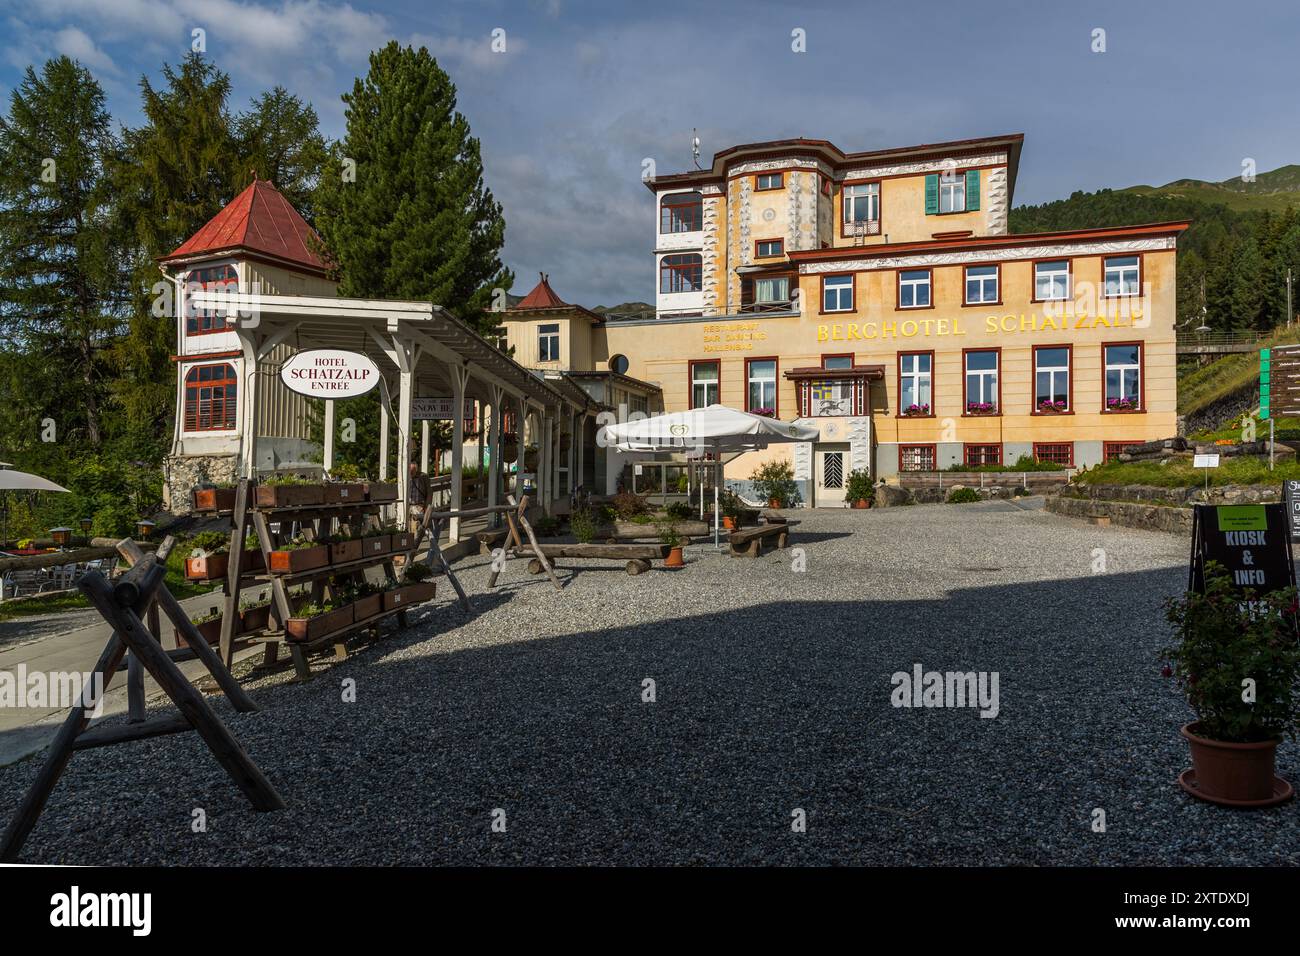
(1252, 542)
(1291, 499)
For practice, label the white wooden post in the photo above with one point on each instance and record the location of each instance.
(459, 375)
(581, 440)
(424, 446)
(405, 390)
(519, 460)
(383, 430)
(480, 423)
(494, 455)
(327, 457)
(545, 457)
(248, 436)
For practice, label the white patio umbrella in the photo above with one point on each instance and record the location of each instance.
(715, 430)
(11, 480)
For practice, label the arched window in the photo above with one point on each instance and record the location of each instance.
(681, 273)
(201, 321)
(681, 212)
(211, 396)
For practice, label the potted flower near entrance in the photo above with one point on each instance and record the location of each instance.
(674, 542)
(774, 482)
(1236, 659)
(859, 489)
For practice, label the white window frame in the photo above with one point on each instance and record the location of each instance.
(1122, 367)
(952, 192)
(915, 285)
(853, 195)
(917, 378)
(706, 384)
(1053, 371)
(760, 284)
(983, 282)
(1123, 272)
(988, 379)
(762, 382)
(842, 284)
(548, 341)
(1053, 277)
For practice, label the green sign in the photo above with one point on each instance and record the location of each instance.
(1241, 518)
(1265, 367)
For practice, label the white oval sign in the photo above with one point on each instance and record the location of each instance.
(329, 373)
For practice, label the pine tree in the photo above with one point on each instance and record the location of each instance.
(418, 222)
(279, 139)
(1247, 295)
(61, 295)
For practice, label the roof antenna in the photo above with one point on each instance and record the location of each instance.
(695, 148)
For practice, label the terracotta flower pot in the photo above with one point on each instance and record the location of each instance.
(773, 503)
(729, 522)
(1233, 774)
(301, 559)
(674, 559)
(207, 568)
(214, 499)
(862, 503)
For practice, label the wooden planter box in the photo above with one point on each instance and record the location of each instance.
(211, 631)
(368, 606)
(310, 628)
(343, 551)
(254, 619)
(214, 566)
(339, 492)
(302, 559)
(381, 492)
(289, 496)
(214, 499)
(402, 542)
(408, 594)
(376, 545)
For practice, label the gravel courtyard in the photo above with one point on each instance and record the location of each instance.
(772, 691)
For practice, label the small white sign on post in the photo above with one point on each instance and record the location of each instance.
(1205, 461)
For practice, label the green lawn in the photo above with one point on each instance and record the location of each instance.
(1179, 473)
(1219, 379)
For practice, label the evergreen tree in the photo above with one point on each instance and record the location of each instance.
(61, 294)
(418, 222)
(1247, 286)
(279, 139)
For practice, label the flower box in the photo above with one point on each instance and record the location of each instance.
(300, 559)
(1121, 405)
(375, 545)
(402, 542)
(214, 499)
(209, 630)
(343, 551)
(254, 619)
(344, 492)
(289, 496)
(981, 408)
(916, 411)
(1052, 408)
(408, 594)
(209, 567)
(310, 628)
(366, 607)
(375, 491)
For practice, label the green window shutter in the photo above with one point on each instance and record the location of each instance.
(972, 190)
(932, 194)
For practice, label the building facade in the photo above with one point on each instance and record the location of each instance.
(880, 297)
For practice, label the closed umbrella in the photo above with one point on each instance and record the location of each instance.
(715, 430)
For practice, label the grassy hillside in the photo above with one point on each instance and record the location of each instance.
(1272, 191)
(1204, 386)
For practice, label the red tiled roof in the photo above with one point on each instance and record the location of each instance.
(542, 297)
(259, 221)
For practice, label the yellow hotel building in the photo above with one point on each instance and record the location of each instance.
(879, 297)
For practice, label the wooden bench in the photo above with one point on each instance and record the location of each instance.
(748, 542)
(637, 556)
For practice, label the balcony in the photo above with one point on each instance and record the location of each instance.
(834, 392)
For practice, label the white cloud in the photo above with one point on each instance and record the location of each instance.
(74, 43)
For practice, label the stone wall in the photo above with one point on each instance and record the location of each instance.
(181, 473)
(1129, 514)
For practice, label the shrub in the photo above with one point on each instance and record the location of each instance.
(679, 510)
(583, 523)
(774, 481)
(627, 505)
(668, 534)
(416, 572)
(963, 496)
(346, 471)
(1224, 637)
(210, 542)
(859, 486)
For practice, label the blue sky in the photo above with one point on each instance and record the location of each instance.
(584, 91)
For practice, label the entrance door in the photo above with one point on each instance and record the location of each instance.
(832, 463)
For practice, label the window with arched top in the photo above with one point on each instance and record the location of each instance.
(681, 212)
(211, 397)
(213, 278)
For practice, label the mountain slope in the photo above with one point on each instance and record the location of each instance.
(1271, 191)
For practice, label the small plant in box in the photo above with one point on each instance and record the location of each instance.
(254, 614)
(208, 625)
(286, 490)
(414, 589)
(316, 619)
(299, 554)
(376, 540)
(1236, 659)
(673, 541)
(209, 558)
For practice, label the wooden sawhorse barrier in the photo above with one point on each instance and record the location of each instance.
(141, 591)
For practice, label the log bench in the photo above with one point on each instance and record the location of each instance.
(637, 556)
(748, 542)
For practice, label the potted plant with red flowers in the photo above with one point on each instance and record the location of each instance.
(917, 410)
(1237, 660)
(1050, 407)
(859, 489)
(1121, 404)
(981, 408)
(765, 412)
